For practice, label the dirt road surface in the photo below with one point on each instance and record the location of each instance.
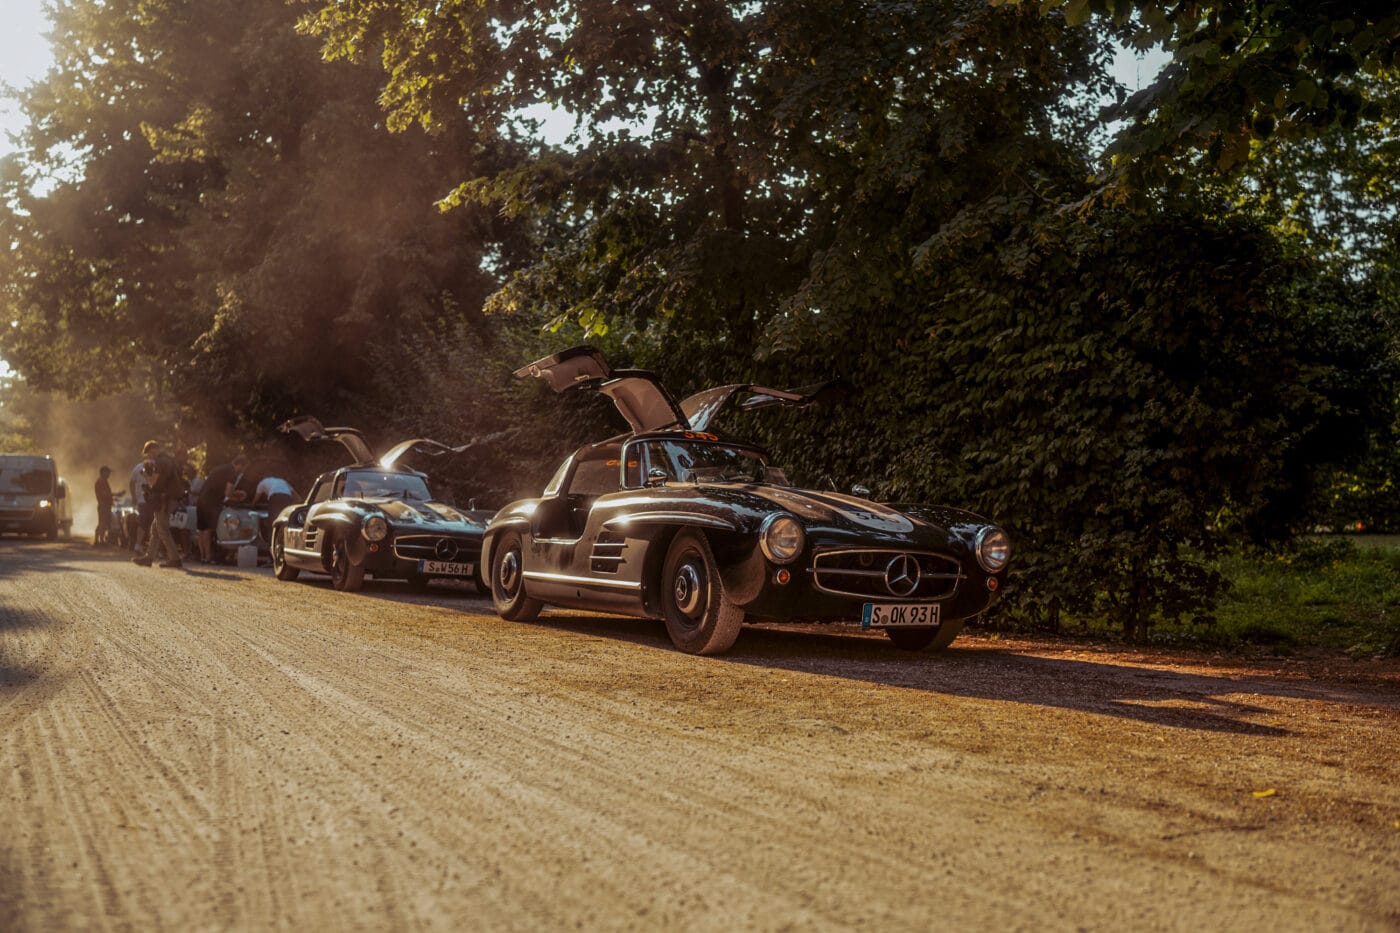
(211, 748)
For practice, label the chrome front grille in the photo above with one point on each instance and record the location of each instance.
(437, 547)
(886, 574)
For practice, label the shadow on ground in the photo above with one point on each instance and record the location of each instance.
(972, 668)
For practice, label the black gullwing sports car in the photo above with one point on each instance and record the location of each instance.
(674, 522)
(377, 517)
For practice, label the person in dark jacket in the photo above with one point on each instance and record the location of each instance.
(218, 485)
(102, 490)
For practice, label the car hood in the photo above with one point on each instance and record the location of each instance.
(893, 524)
(839, 511)
(438, 515)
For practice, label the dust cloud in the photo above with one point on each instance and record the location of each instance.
(84, 435)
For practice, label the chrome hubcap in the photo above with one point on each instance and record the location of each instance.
(510, 571)
(688, 590)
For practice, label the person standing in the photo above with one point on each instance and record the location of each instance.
(163, 485)
(102, 489)
(137, 485)
(218, 485)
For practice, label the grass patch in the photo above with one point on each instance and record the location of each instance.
(1336, 593)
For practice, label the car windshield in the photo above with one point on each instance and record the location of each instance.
(26, 476)
(701, 462)
(371, 484)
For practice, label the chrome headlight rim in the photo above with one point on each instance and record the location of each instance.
(775, 525)
(993, 549)
(375, 528)
(235, 524)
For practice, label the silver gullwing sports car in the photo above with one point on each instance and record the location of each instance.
(376, 517)
(675, 522)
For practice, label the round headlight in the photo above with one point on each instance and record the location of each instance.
(993, 549)
(375, 528)
(781, 538)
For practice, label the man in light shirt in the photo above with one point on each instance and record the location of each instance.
(274, 494)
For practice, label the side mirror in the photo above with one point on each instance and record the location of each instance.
(656, 477)
(61, 492)
(862, 491)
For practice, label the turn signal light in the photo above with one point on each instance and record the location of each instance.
(992, 583)
(782, 577)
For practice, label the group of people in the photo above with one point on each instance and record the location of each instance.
(162, 484)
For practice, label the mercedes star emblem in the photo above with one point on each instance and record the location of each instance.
(902, 575)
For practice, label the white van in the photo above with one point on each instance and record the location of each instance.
(63, 508)
(30, 495)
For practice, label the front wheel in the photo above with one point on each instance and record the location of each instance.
(699, 617)
(508, 580)
(280, 567)
(925, 637)
(346, 574)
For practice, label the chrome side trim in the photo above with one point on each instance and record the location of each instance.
(669, 518)
(581, 581)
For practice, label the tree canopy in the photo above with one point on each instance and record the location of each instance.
(201, 197)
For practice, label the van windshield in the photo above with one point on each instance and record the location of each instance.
(26, 476)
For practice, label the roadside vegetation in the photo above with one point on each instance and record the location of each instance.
(1334, 595)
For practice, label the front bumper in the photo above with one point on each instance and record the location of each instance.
(401, 556)
(813, 593)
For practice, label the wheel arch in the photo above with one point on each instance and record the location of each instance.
(728, 545)
(516, 523)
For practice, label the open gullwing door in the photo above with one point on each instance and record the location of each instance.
(703, 408)
(638, 395)
(311, 429)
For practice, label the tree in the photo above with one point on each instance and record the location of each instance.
(729, 211)
(226, 212)
(1242, 72)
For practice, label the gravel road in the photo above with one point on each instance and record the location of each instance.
(210, 748)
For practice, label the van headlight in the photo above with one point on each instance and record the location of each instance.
(45, 504)
(993, 549)
(781, 538)
(375, 528)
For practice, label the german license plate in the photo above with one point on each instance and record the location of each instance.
(891, 615)
(445, 568)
